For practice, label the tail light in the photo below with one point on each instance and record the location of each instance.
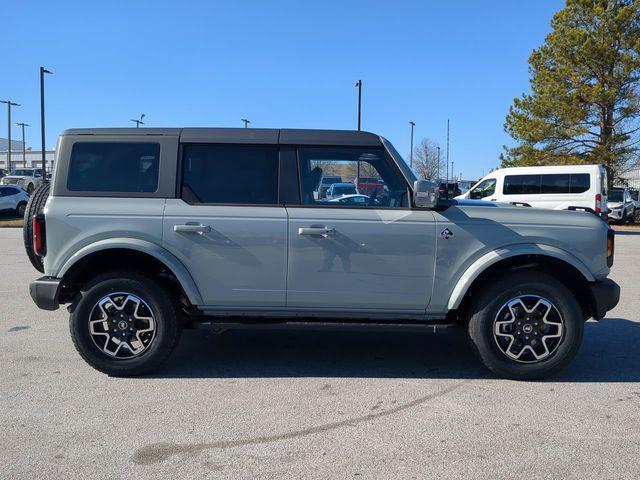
(598, 203)
(39, 235)
(610, 246)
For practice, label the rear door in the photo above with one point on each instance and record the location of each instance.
(227, 226)
(377, 257)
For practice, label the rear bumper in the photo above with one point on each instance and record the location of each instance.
(605, 295)
(45, 292)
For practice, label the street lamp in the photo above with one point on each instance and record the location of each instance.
(359, 85)
(24, 145)
(138, 122)
(411, 151)
(43, 71)
(246, 122)
(9, 104)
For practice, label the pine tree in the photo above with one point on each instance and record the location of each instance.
(584, 105)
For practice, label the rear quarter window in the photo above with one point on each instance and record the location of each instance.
(125, 167)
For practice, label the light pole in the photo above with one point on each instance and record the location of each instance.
(139, 121)
(447, 158)
(43, 72)
(438, 150)
(246, 122)
(359, 85)
(411, 151)
(9, 104)
(24, 145)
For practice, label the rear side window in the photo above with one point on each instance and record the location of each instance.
(580, 182)
(546, 184)
(114, 167)
(230, 174)
(521, 185)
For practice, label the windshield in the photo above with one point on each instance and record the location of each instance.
(615, 195)
(22, 172)
(344, 190)
(406, 171)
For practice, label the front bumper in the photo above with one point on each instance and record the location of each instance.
(605, 296)
(45, 292)
(615, 214)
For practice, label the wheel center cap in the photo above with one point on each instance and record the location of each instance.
(527, 328)
(122, 325)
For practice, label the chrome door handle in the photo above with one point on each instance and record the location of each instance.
(323, 231)
(192, 228)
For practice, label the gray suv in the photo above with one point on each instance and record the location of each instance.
(145, 232)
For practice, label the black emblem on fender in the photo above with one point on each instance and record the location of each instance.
(446, 233)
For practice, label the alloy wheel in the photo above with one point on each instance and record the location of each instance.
(528, 329)
(122, 325)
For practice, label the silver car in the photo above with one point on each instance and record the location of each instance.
(13, 200)
(146, 232)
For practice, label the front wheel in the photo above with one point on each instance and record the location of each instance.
(124, 324)
(526, 326)
(20, 209)
(30, 188)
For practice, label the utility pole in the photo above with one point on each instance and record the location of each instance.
(139, 121)
(43, 72)
(359, 85)
(246, 122)
(447, 159)
(9, 104)
(24, 145)
(438, 150)
(453, 175)
(411, 151)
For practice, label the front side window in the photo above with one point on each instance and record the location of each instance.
(367, 173)
(230, 174)
(484, 189)
(114, 167)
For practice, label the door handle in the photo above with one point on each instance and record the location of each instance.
(323, 231)
(192, 228)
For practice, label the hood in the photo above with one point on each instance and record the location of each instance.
(614, 204)
(465, 202)
(13, 177)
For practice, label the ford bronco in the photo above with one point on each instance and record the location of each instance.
(144, 232)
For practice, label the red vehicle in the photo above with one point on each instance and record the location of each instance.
(368, 185)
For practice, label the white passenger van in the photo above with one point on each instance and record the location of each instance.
(564, 187)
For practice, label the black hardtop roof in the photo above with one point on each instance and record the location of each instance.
(273, 136)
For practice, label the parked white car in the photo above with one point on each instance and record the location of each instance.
(621, 205)
(13, 200)
(562, 187)
(26, 178)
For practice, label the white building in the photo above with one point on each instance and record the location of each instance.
(32, 158)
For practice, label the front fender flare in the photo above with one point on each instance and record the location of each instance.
(177, 268)
(481, 264)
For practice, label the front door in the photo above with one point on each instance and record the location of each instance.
(366, 252)
(227, 228)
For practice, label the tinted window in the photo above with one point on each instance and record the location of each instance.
(521, 184)
(230, 174)
(555, 183)
(616, 195)
(386, 187)
(7, 192)
(580, 182)
(114, 167)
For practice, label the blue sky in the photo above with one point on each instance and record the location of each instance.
(278, 63)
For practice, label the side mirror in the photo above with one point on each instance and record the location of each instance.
(425, 194)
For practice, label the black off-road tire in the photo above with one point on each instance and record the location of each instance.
(168, 328)
(34, 207)
(489, 303)
(636, 215)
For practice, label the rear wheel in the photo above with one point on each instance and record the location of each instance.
(30, 188)
(20, 209)
(526, 326)
(124, 324)
(34, 207)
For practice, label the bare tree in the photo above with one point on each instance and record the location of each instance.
(425, 160)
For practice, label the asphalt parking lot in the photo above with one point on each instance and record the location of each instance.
(314, 405)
